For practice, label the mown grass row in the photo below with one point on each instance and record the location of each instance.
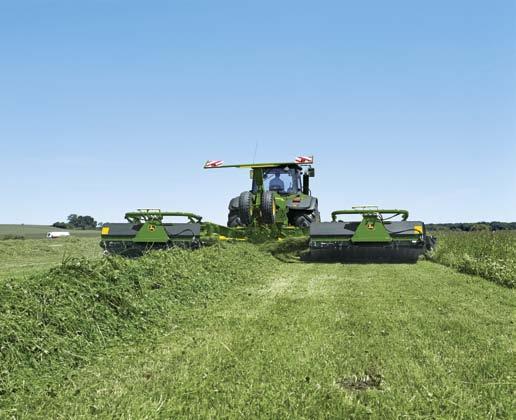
(59, 320)
(491, 255)
(307, 341)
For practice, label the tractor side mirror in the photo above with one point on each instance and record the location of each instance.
(311, 172)
(251, 173)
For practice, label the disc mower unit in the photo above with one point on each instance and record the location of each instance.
(374, 239)
(146, 229)
(279, 196)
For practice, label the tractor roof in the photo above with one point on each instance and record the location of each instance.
(300, 161)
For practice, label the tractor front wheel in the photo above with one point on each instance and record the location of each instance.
(245, 208)
(268, 208)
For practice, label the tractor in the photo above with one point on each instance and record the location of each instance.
(279, 196)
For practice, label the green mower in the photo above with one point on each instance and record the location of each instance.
(376, 238)
(279, 196)
(147, 229)
(279, 205)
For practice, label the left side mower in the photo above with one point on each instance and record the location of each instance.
(147, 229)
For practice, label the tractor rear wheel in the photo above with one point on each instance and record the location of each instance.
(245, 208)
(268, 208)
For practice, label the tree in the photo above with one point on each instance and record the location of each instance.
(480, 227)
(60, 225)
(73, 220)
(76, 221)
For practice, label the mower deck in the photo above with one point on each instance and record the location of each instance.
(374, 239)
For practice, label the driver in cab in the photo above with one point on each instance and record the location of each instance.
(277, 184)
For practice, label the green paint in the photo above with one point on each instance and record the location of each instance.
(371, 233)
(371, 229)
(372, 211)
(152, 232)
(145, 215)
(257, 175)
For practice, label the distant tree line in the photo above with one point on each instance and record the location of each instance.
(76, 221)
(473, 227)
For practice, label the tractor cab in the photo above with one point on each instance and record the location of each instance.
(279, 195)
(283, 180)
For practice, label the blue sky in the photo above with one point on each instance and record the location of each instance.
(108, 106)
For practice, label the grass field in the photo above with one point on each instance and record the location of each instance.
(233, 332)
(26, 257)
(491, 255)
(40, 231)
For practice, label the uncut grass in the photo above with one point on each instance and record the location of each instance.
(60, 320)
(300, 342)
(40, 231)
(26, 257)
(491, 255)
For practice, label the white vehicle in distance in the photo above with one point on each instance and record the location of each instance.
(57, 235)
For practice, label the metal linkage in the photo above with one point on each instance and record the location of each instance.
(370, 211)
(148, 215)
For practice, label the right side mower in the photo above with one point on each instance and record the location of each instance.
(376, 238)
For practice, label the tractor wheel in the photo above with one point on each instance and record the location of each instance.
(234, 219)
(245, 208)
(268, 208)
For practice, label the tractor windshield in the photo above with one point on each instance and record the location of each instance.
(283, 181)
